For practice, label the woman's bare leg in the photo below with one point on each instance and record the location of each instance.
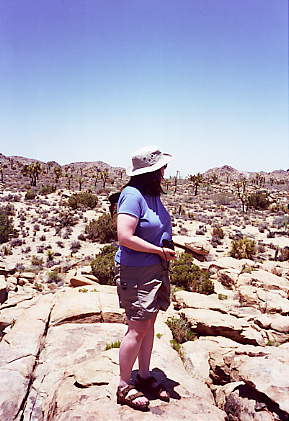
(145, 351)
(128, 352)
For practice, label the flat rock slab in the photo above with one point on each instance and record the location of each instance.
(92, 304)
(197, 245)
(198, 301)
(18, 352)
(93, 391)
(67, 346)
(210, 322)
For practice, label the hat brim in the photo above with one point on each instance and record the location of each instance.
(165, 159)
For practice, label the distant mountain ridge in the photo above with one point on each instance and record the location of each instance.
(9, 163)
(228, 171)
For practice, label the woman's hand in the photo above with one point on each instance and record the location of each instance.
(167, 254)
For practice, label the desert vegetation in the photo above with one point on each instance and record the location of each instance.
(230, 281)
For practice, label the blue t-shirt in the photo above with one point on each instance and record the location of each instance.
(154, 225)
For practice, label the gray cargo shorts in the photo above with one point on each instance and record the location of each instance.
(142, 290)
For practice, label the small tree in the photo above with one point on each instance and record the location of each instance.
(197, 180)
(32, 171)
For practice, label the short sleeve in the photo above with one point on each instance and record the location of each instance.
(130, 205)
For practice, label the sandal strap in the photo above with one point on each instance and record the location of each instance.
(134, 396)
(123, 393)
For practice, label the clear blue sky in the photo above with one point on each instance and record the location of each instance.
(88, 80)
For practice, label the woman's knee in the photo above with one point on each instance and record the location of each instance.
(139, 328)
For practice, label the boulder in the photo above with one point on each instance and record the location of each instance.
(3, 289)
(28, 275)
(18, 353)
(210, 322)
(268, 374)
(231, 263)
(195, 300)
(266, 280)
(197, 245)
(80, 280)
(12, 283)
(87, 305)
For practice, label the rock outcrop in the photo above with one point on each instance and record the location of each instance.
(58, 358)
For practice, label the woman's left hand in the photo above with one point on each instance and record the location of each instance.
(167, 254)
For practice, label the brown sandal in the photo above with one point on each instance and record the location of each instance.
(123, 399)
(145, 385)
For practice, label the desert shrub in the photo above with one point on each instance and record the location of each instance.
(258, 200)
(54, 277)
(281, 221)
(180, 330)
(223, 198)
(8, 210)
(36, 261)
(218, 231)
(6, 250)
(185, 274)
(50, 255)
(284, 254)
(6, 229)
(60, 244)
(75, 246)
(102, 266)
(243, 248)
(16, 242)
(102, 230)
(82, 237)
(30, 195)
(47, 189)
(82, 199)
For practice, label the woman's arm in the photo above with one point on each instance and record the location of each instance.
(126, 226)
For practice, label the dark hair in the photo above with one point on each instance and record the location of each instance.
(148, 183)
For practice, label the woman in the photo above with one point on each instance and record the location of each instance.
(142, 274)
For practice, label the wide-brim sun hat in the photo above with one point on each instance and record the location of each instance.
(148, 159)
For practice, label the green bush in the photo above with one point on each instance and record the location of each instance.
(258, 200)
(30, 195)
(83, 199)
(185, 274)
(6, 228)
(103, 265)
(102, 230)
(180, 330)
(218, 231)
(244, 248)
(47, 189)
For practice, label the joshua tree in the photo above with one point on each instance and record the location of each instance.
(241, 186)
(95, 176)
(197, 180)
(32, 171)
(69, 178)
(2, 172)
(104, 176)
(80, 181)
(58, 173)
